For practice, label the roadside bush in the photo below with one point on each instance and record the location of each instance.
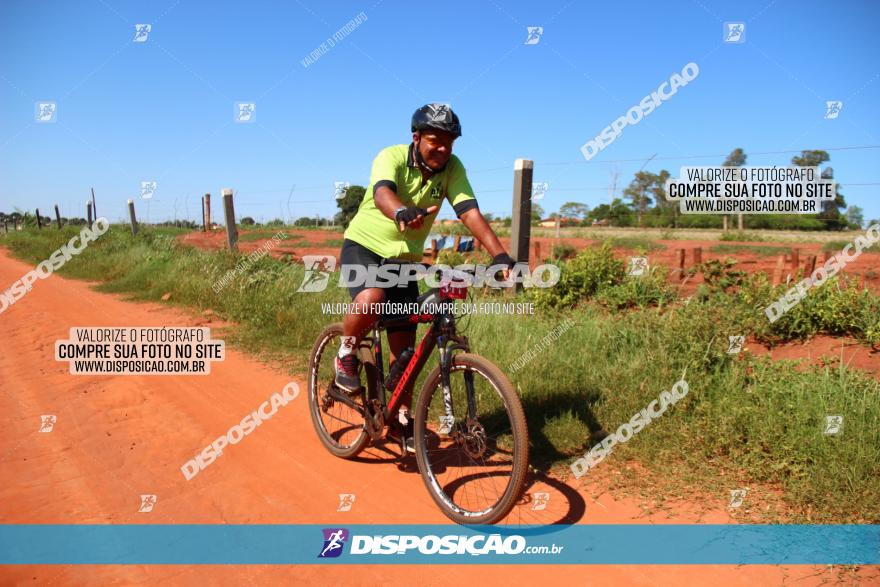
(589, 271)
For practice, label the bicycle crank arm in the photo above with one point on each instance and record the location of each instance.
(344, 398)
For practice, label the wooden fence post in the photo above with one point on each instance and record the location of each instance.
(94, 205)
(132, 218)
(780, 267)
(698, 256)
(58, 216)
(680, 262)
(229, 211)
(89, 212)
(810, 265)
(795, 259)
(207, 212)
(39, 222)
(521, 225)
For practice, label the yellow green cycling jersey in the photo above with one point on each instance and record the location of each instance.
(396, 168)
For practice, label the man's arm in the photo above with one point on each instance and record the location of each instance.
(481, 230)
(388, 202)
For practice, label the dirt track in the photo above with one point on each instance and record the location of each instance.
(117, 437)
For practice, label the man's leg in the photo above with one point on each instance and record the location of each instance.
(354, 327)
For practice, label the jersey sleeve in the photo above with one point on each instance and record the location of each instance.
(459, 191)
(385, 166)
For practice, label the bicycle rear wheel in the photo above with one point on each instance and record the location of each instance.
(476, 472)
(340, 428)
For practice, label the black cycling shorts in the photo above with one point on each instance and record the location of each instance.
(354, 253)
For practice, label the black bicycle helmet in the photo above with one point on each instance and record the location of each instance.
(438, 116)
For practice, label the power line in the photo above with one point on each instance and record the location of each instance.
(679, 157)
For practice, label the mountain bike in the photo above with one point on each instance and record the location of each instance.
(471, 439)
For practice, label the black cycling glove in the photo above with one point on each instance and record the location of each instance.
(503, 259)
(407, 215)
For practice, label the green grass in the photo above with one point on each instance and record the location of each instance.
(758, 421)
(633, 243)
(837, 246)
(260, 235)
(742, 236)
(764, 251)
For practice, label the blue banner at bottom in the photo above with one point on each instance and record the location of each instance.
(439, 544)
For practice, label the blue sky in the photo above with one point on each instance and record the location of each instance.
(163, 109)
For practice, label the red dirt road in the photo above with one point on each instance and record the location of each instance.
(117, 437)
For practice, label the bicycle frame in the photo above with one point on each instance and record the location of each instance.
(441, 335)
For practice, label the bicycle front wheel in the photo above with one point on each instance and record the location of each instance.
(472, 458)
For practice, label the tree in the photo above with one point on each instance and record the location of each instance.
(830, 214)
(737, 158)
(574, 210)
(617, 213)
(349, 204)
(537, 213)
(855, 216)
(247, 221)
(645, 188)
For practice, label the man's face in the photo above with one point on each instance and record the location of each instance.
(435, 146)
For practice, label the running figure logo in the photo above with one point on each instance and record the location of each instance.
(346, 500)
(833, 424)
(735, 344)
(141, 32)
(245, 112)
(540, 502)
(539, 189)
(148, 188)
(46, 112)
(734, 32)
(47, 423)
(534, 35)
(334, 540)
(318, 269)
(832, 109)
(147, 503)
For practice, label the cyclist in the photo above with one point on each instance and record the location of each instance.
(408, 184)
